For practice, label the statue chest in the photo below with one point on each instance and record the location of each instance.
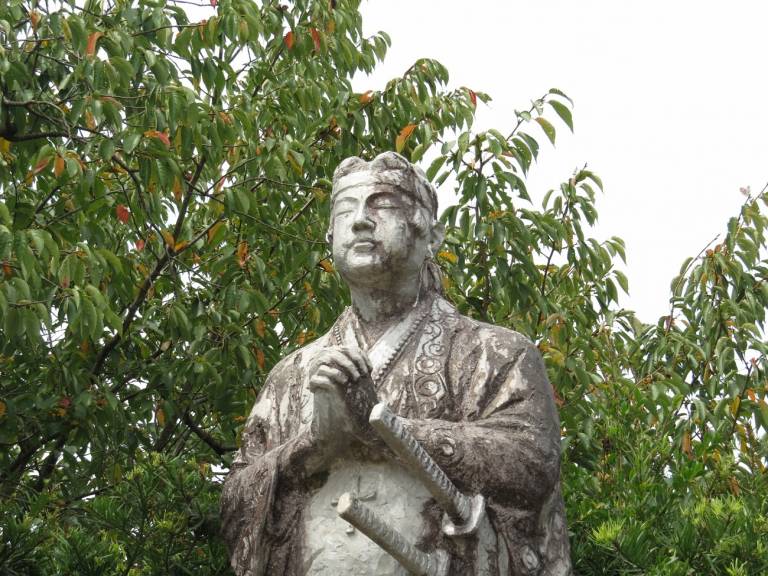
(333, 547)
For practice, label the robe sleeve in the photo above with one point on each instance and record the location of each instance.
(506, 444)
(251, 515)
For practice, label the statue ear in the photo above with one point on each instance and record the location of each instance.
(436, 235)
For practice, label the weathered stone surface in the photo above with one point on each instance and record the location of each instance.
(475, 397)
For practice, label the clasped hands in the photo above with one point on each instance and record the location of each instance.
(344, 395)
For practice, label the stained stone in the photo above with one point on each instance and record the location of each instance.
(461, 478)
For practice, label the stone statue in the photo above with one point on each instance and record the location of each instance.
(409, 439)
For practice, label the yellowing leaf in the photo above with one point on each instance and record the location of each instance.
(179, 246)
(260, 360)
(93, 38)
(449, 256)
(177, 189)
(168, 238)
(401, 139)
(160, 416)
(735, 405)
(288, 39)
(326, 265)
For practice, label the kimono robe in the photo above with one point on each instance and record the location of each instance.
(475, 395)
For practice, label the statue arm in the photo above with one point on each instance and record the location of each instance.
(508, 445)
(269, 464)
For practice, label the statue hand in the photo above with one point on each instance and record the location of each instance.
(344, 393)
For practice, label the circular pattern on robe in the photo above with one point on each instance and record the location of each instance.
(428, 365)
(428, 387)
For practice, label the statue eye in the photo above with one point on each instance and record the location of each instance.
(385, 203)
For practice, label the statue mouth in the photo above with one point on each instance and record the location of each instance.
(363, 245)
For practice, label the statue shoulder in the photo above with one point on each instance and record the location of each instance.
(499, 339)
(296, 361)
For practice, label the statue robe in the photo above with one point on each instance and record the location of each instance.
(478, 399)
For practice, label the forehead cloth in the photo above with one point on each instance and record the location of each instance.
(406, 182)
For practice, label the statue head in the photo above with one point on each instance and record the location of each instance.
(383, 225)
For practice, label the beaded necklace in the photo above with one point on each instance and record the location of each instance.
(382, 370)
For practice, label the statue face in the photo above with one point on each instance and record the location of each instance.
(374, 238)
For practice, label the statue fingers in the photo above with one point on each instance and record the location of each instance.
(335, 375)
(341, 361)
(317, 383)
(359, 357)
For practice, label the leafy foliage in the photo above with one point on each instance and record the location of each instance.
(163, 198)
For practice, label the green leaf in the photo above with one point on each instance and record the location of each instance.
(549, 130)
(564, 112)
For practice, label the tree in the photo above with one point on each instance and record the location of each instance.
(163, 197)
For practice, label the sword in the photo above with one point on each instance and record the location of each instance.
(412, 559)
(466, 513)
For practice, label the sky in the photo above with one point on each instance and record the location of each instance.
(670, 106)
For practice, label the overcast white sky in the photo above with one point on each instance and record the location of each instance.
(671, 106)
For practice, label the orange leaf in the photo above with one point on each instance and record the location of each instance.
(2, 408)
(179, 246)
(260, 358)
(58, 166)
(90, 49)
(212, 231)
(7, 270)
(39, 167)
(365, 97)
(751, 394)
(315, 38)
(472, 97)
(160, 136)
(242, 254)
(288, 39)
(139, 245)
(405, 133)
(261, 328)
(34, 19)
(123, 214)
(90, 121)
(326, 265)
(160, 416)
(687, 444)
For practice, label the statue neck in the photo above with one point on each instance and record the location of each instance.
(379, 308)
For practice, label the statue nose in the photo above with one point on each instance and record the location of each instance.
(363, 220)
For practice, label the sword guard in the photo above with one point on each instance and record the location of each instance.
(476, 517)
